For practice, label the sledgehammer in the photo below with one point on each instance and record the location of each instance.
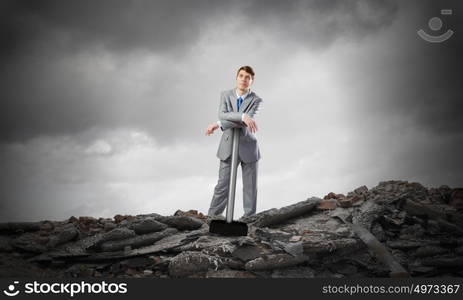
(230, 227)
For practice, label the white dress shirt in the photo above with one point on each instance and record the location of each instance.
(237, 96)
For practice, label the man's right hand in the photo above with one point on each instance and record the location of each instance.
(211, 128)
(250, 123)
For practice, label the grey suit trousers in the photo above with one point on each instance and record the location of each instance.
(249, 175)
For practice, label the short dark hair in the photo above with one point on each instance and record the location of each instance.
(247, 69)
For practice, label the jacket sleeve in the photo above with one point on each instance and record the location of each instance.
(230, 124)
(224, 114)
(252, 112)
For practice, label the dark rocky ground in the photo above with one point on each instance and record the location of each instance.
(396, 229)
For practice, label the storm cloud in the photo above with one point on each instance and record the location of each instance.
(69, 66)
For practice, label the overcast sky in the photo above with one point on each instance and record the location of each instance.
(105, 103)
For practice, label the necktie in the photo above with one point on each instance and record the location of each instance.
(239, 101)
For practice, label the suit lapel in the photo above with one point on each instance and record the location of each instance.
(232, 98)
(246, 102)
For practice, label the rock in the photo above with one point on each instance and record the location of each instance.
(30, 242)
(119, 233)
(119, 218)
(87, 220)
(47, 226)
(232, 263)
(342, 214)
(295, 249)
(268, 234)
(320, 245)
(400, 256)
(14, 227)
(352, 199)
(108, 226)
(97, 274)
(380, 251)
(116, 268)
(447, 220)
(276, 216)
(133, 272)
(410, 232)
(138, 262)
(405, 244)
(80, 270)
(345, 269)
(295, 238)
(422, 232)
(456, 198)
(5, 244)
(72, 219)
(328, 204)
(181, 222)
(419, 269)
(147, 226)
(346, 202)
(173, 241)
(137, 241)
(343, 232)
(332, 195)
(246, 252)
(392, 223)
(229, 274)
(191, 213)
(274, 261)
(116, 234)
(78, 248)
(192, 262)
(448, 262)
(64, 235)
(429, 250)
(368, 213)
(212, 245)
(294, 272)
(433, 227)
(161, 261)
(362, 190)
(378, 232)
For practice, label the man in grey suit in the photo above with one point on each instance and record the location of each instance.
(238, 109)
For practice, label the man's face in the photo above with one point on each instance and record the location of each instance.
(243, 80)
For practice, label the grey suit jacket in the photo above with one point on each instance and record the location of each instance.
(230, 118)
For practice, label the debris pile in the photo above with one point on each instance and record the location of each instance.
(396, 229)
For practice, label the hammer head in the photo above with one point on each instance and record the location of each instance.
(234, 228)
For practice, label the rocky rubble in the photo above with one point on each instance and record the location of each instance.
(396, 229)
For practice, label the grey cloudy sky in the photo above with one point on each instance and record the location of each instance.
(105, 103)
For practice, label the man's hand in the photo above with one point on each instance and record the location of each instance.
(252, 125)
(211, 128)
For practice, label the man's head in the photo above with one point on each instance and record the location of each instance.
(244, 77)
